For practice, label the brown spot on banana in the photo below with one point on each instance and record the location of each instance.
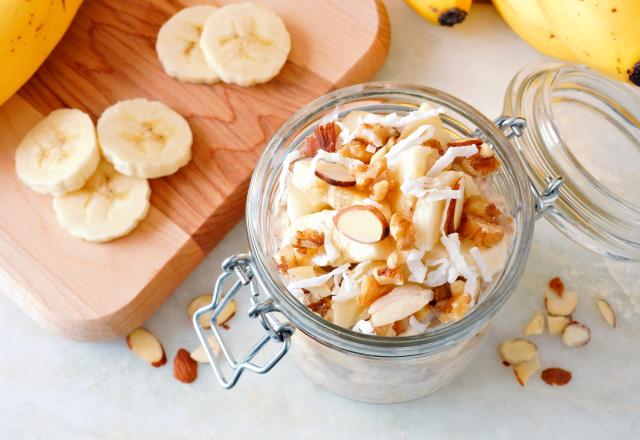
(634, 74)
(452, 16)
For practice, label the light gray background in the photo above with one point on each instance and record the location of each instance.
(55, 388)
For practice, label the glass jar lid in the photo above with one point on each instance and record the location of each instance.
(586, 128)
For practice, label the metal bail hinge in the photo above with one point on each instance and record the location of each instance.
(550, 194)
(511, 126)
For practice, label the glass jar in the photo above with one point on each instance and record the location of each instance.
(393, 369)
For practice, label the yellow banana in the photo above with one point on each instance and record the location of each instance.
(525, 19)
(443, 12)
(604, 34)
(29, 30)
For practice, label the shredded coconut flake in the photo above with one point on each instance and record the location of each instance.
(394, 120)
(482, 264)
(348, 288)
(422, 133)
(434, 195)
(363, 326)
(416, 267)
(440, 275)
(458, 265)
(418, 187)
(449, 156)
(319, 280)
(334, 158)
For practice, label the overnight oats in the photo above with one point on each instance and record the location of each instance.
(388, 225)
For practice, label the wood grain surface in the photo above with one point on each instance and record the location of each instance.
(99, 291)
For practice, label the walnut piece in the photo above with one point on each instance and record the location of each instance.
(308, 239)
(481, 232)
(385, 275)
(356, 150)
(480, 206)
(402, 231)
(370, 291)
(321, 307)
(481, 164)
(324, 138)
(379, 190)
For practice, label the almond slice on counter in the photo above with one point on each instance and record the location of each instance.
(557, 305)
(227, 313)
(197, 303)
(526, 369)
(334, 174)
(517, 351)
(200, 355)
(185, 369)
(557, 324)
(147, 346)
(606, 312)
(557, 285)
(556, 376)
(576, 334)
(535, 326)
(362, 223)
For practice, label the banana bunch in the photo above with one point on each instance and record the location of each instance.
(604, 34)
(442, 12)
(29, 30)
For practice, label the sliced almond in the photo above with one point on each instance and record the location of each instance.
(535, 326)
(334, 174)
(200, 355)
(556, 376)
(400, 303)
(464, 142)
(197, 303)
(185, 369)
(517, 351)
(526, 369)
(560, 305)
(557, 324)
(576, 334)
(147, 346)
(226, 313)
(606, 312)
(362, 223)
(454, 212)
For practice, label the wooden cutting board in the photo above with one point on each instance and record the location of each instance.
(98, 291)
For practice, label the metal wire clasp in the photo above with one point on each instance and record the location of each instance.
(280, 332)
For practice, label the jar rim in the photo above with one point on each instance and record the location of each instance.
(258, 201)
(587, 210)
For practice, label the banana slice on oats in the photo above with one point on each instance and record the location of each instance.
(245, 43)
(59, 154)
(108, 206)
(178, 46)
(144, 138)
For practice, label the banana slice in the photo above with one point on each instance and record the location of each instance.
(109, 205)
(144, 138)
(178, 46)
(245, 43)
(59, 154)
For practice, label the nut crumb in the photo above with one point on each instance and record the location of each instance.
(556, 376)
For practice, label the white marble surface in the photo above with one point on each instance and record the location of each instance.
(55, 388)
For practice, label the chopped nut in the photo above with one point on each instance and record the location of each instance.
(308, 239)
(483, 208)
(442, 293)
(526, 369)
(379, 190)
(517, 351)
(481, 164)
(321, 307)
(385, 330)
(481, 232)
(370, 291)
(367, 174)
(197, 303)
(385, 275)
(185, 369)
(606, 312)
(457, 288)
(285, 258)
(560, 306)
(557, 285)
(392, 260)
(455, 309)
(362, 223)
(147, 346)
(324, 138)
(356, 149)
(402, 231)
(576, 334)
(556, 376)
(464, 142)
(535, 326)
(557, 324)
(401, 326)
